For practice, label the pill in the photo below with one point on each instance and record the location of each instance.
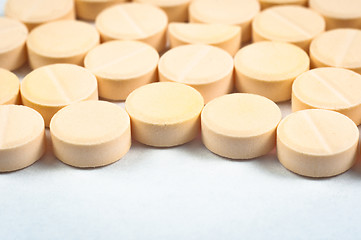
(337, 48)
(50, 88)
(164, 114)
(335, 89)
(291, 23)
(270, 3)
(240, 125)
(206, 68)
(121, 67)
(22, 137)
(134, 21)
(317, 143)
(9, 87)
(90, 134)
(89, 9)
(35, 12)
(227, 37)
(176, 10)
(237, 12)
(65, 41)
(269, 69)
(339, 13)
(13, 36)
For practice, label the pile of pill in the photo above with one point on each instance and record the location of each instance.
(182, 67)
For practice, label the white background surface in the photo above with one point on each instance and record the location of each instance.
(184, 192)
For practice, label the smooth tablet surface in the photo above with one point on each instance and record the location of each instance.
(240, 125)
(35, 12)
(176, 10)
(90, 134)
(293, 24)
(134, 21)
(269, 69)
(335, 89)
(237, 12)
(206, 68)
(22, 137)
(317, 143)
(13, 36)
(9, 87)
(121, 67)
(89, 9)
(339, 13)
(271, 3)
(227, 37)
(337, 48)
(50, 88)
(164, 114)
(64, 41)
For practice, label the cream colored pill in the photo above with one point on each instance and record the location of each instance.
(64, 41)
(164, 114)
(35, 12)
(89, 9)
(237, 12)
(22, 137)
(335, 89)
(50, 88)
(293, 24)
(227, 37)
(240, 125)
(134, 21)
(269, 69)
(339, 13)
(176, 10)
(270, 3)
(13, 36)
(121, 67)
(90, 134)
(337, 48)
(206, 68)
(317, 143)
(9, 87)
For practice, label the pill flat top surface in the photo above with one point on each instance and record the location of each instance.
(243, 115)
(9, 86)
(165, 3)
(63, 38)
(343, 9)
(164, 103)
(318, 132)
(122, 59)
(271, 61)
(12, 34)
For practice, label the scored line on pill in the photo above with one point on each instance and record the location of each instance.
(316, 131)
(345, 47)
(201, 54)
(57, 85)
(131, 21)
(339, 95)
(4, 117)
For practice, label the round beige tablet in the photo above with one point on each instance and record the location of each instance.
(271, 3)
(134, 21)
(206, 68)
(22, 137)
(9, 87)
(293, 24)
(90, 134)
(339, 13)
(35, 12)
(317, 143)
(269, 69)
(227, 37)
(64, 41)
(121, 67)
(176, 10)
(237, 12)
(335, 89)
(13, 36)
(240, 125)
(50, 88)
(337, 48)
(164, 114)
(89, 9)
